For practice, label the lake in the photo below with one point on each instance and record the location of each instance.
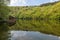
(44, 26)
(32, 30)
(31, 35)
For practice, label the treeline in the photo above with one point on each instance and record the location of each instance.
(51, 3)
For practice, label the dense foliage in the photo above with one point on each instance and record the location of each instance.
(4, 11)
(45, 11)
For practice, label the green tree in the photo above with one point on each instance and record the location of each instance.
(4, 11)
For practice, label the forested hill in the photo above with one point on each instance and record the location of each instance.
(48, 10)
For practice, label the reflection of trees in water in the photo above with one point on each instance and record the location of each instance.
(3, 31)
(3, 35)
(45, 26)
(4, 27)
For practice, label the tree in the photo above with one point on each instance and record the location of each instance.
(4, 14)
(4, 11)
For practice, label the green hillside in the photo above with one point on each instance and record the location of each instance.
(45, 11)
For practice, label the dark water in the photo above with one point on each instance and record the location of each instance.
(3, 35)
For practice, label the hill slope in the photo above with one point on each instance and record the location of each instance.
(49, 10)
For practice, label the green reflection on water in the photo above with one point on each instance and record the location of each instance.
(4, 35)
(3, 32)
(45, 26)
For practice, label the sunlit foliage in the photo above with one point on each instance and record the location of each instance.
(45, 11)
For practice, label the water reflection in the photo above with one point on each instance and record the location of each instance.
(3, 32)
(3, 35)
(45, 26)
(24, 35)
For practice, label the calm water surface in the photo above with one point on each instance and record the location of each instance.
(30, 35)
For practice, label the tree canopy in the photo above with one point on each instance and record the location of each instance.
(4, 10)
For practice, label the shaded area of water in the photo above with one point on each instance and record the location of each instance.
(30, 35)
